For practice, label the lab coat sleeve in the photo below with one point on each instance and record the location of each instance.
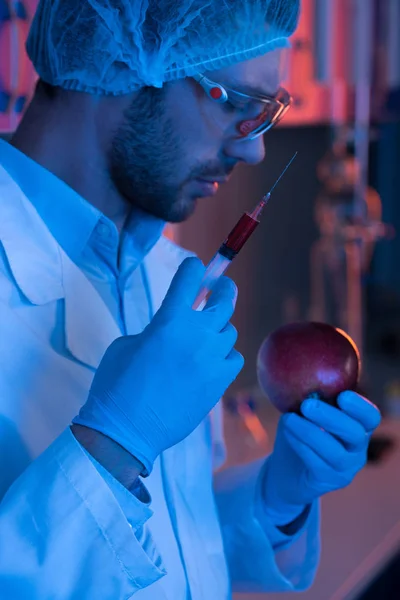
(260, 557)
(64, 535)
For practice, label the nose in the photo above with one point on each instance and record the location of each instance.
(251, 152)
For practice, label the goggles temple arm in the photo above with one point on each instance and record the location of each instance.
(215, 91)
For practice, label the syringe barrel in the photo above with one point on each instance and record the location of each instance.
(239, 235)
(215, 269)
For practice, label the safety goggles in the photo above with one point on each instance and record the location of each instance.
(273, 108)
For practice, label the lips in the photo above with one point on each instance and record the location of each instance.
(206, 188)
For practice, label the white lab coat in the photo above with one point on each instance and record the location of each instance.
(67, 529)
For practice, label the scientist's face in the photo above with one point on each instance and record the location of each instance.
(173, 143)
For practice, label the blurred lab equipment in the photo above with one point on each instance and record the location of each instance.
(348, 211)
(342, 255)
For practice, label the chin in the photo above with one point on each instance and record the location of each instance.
(171, 208)
(181, 211)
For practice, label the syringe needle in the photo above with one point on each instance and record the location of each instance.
(261, 205)
(282, 174)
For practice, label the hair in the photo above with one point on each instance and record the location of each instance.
(51, 91)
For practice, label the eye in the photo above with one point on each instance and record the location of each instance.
(235, 106)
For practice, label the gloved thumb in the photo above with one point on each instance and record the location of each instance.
(186, 283)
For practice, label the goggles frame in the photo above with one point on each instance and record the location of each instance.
(249, 129)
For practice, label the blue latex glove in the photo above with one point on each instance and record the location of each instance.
(152, 390)
(317, 453)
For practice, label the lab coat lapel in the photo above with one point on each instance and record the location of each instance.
(89, 325)
(44, 274)
(32, 253)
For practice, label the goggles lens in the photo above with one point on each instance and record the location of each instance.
(272, 113)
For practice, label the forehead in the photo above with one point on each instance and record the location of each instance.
(264, 73)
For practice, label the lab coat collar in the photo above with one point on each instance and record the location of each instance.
(141, 233)
(33, 254)
(70, 218)
(44, 273)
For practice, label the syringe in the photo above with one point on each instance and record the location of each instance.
(235, 241)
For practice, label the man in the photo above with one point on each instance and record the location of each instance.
(142, 109)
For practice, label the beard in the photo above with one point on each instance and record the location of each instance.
(146, 158)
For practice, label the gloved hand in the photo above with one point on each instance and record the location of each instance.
(317, 453)
(153, 389)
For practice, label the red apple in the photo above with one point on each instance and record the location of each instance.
(300, 360)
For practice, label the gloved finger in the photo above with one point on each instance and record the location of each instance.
(361, 409)
(310, 458)
(234, 363)
(328, 448)
(221, 305)
(322, 477)
(227, 372)
(335, 421)
(185, 284)
(227, 339)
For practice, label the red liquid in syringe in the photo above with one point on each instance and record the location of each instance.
(242, 230)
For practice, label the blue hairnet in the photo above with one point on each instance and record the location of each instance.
(117, 46)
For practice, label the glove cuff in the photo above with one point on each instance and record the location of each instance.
(279, 511)
(99, 417)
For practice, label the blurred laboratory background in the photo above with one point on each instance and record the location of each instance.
(327, 249)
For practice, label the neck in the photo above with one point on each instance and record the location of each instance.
(65, 142)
